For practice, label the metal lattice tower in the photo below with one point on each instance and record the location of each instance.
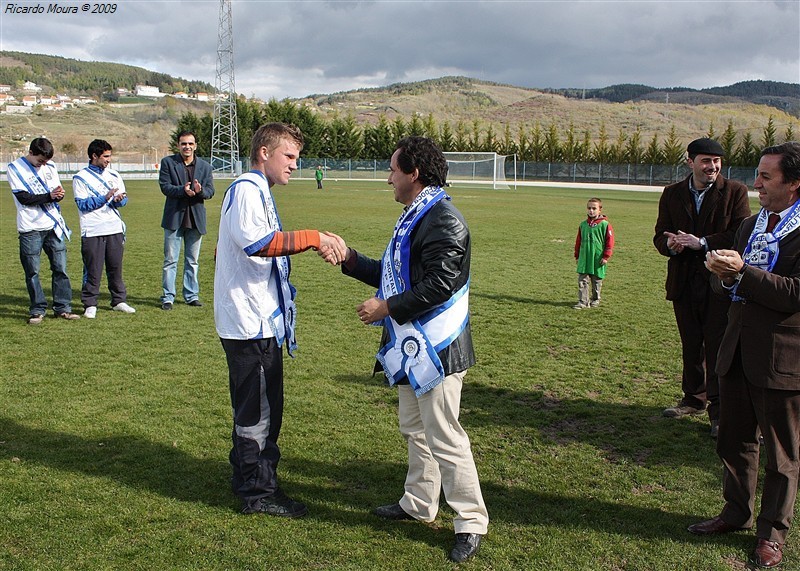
(225, 135)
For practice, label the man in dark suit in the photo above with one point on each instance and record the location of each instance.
(697, 215)
(759, 360)
(186, 181)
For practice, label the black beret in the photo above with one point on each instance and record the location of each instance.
(705, 147)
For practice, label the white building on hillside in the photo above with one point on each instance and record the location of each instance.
(16, 109)
(148, 91)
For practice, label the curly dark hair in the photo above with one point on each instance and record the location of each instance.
(422, 153)
(790, 159)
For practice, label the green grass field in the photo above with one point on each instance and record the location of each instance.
(114, 433)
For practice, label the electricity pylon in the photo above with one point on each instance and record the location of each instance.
(225, 135)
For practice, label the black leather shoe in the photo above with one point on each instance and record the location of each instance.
(467, 545)
(768, 554)
(278, 504)
(195, 303)
(713, 526)
(392, 511)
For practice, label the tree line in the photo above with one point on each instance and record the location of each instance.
(341, 137)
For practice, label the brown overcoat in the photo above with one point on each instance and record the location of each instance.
(722, 211)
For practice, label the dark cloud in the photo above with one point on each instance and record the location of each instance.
(300, 47)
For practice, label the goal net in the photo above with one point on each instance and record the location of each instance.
(483, 168)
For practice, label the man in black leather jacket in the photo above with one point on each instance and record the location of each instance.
(427, 343)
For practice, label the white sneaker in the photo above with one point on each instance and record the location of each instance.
(124, 308)
(90, 312)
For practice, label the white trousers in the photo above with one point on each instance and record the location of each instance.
(440, 457)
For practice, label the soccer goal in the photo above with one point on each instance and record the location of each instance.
(483, 168)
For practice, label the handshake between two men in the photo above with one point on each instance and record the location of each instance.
(334, 250)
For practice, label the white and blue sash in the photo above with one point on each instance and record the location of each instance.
(763, 247)
(412, 348)
(36, 185)
(96, 192)
(283, 320)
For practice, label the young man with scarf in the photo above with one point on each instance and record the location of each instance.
(759, 360)
(255, 313)
(426, 348)
(100, 193)
(37, 192)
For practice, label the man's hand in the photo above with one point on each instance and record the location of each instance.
(57, 193)
(688, 240)
(187, 189)
(725, 264)
(372, 310)
(672, 242)
(332, 248)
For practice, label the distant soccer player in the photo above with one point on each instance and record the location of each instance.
(37, 192)
(100, 193)
(593, 247)
(318, 176)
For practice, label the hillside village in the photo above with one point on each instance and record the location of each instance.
(30, 95)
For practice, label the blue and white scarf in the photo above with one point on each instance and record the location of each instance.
(412, 348)
(763, 247)
(99, 179)
(283, 320)
(36, 185)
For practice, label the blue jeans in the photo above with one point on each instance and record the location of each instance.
(191, 239)
(31, 245)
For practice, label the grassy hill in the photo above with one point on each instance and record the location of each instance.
(456, 99)
(137, 131)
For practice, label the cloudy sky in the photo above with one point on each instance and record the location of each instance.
(299, 47)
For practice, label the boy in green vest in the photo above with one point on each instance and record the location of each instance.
(593, 247)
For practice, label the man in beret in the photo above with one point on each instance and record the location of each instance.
(699, 214)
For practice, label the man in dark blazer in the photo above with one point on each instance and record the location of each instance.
(698, 214)
(186, 181)
(759, 360)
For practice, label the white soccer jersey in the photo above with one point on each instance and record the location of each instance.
(24, 177)
(98, 216)
(245, 286)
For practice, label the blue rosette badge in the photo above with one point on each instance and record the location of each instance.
(412, 347)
